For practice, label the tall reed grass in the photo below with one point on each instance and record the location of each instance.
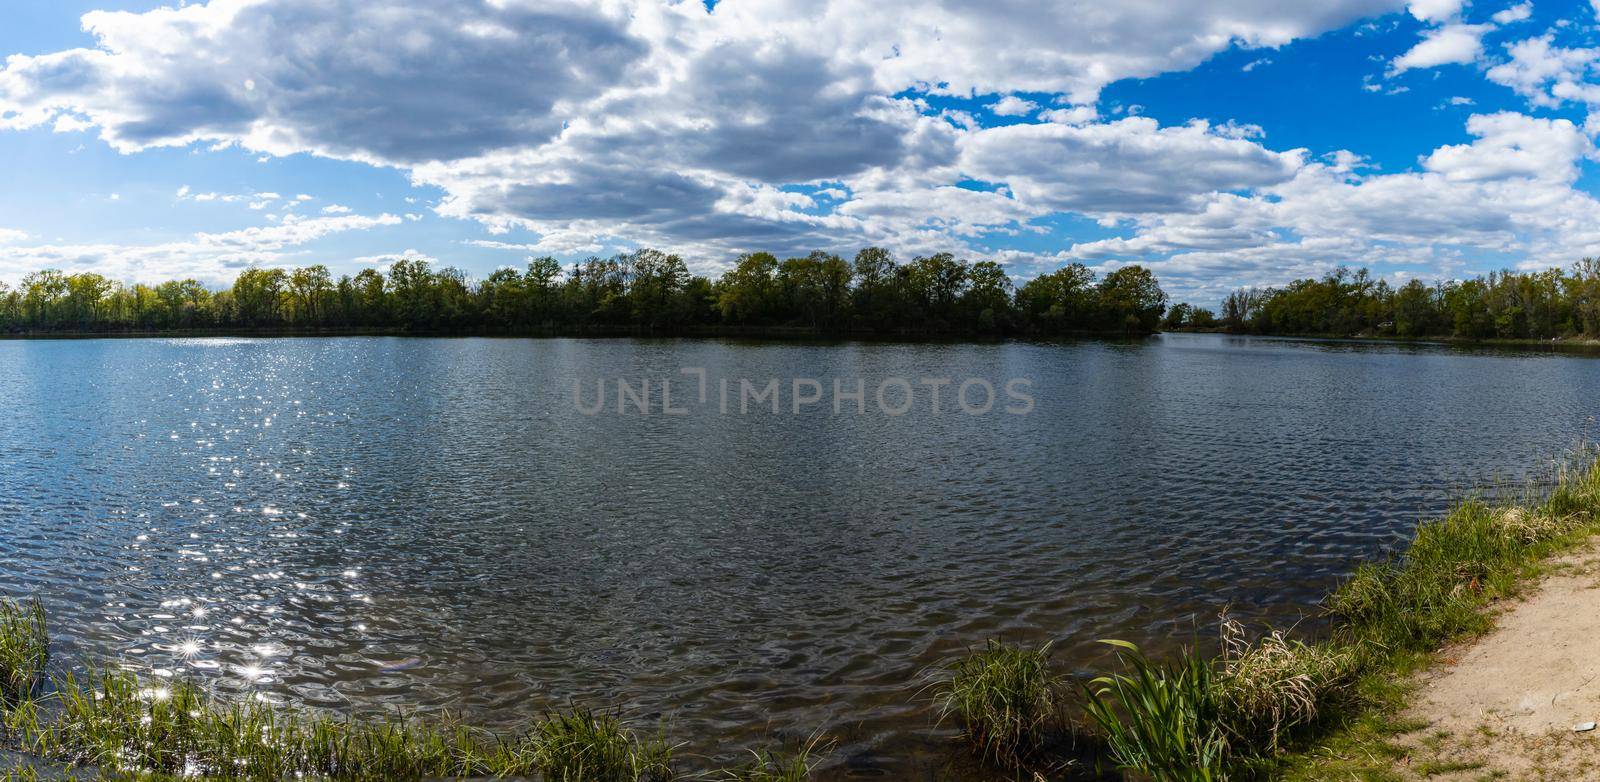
(1161, 720)
(24, 648)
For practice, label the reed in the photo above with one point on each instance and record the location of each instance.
(24, 648)
(1275, 685)
(1160, 720)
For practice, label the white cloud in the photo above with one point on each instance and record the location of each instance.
(1435, 10)
(1129, 166)
(602, 123)
(1546, 74)
(1509, 192)
(1516, 13)
(214, 257)
(1452, 43)
(11, 235)
(1076, 115)
(354, 84)
(598, 120)
(1511, 145)
(336, 209)
(385, 259)
(1013, 106)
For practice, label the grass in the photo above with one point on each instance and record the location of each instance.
(24, 648)
(769, 766)
(117, 725)
(1269, 688)
(1278, 707)
(586, 747)
(1162, 721)
(1004, 698)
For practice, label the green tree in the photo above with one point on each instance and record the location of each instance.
(748, 293)
(1131, 300)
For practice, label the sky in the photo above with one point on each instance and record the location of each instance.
(1221, 143)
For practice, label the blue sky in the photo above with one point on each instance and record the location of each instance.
(1226, 143)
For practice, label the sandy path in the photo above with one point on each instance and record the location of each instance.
(1504, 707)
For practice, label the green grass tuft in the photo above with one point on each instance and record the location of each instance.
(122, 728)
(1161, 720)
(771, 766)
(24, 648)
(1004, 698)
(583, 746)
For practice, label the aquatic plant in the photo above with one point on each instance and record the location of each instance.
(768, 765)
(1004, 698)
(1161, 720)
(24, 648)
(584, 746)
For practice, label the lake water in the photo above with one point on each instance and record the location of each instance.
(366, 525)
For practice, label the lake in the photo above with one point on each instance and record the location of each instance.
(368, 525)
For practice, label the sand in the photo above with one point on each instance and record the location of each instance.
(1505, 705)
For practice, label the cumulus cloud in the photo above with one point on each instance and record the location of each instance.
(591, 120)
(1435, 10)
(1509, 191)
(1511, 145)
(213, 257)
(1076, 115)
(1129, 166)
(1547, 74)
(1516, 13)
(1013, 106)
(384, 259)
(596, 124)
(1450, 44)
(386, 81)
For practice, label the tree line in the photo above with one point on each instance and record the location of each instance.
(1549, 304)
(645, 291)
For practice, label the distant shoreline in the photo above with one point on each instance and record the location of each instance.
(780, 334)
(1575, 343)
(765, 333)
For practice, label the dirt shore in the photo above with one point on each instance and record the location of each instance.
(1506, 705)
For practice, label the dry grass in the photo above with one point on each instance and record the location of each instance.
(1276, 684)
